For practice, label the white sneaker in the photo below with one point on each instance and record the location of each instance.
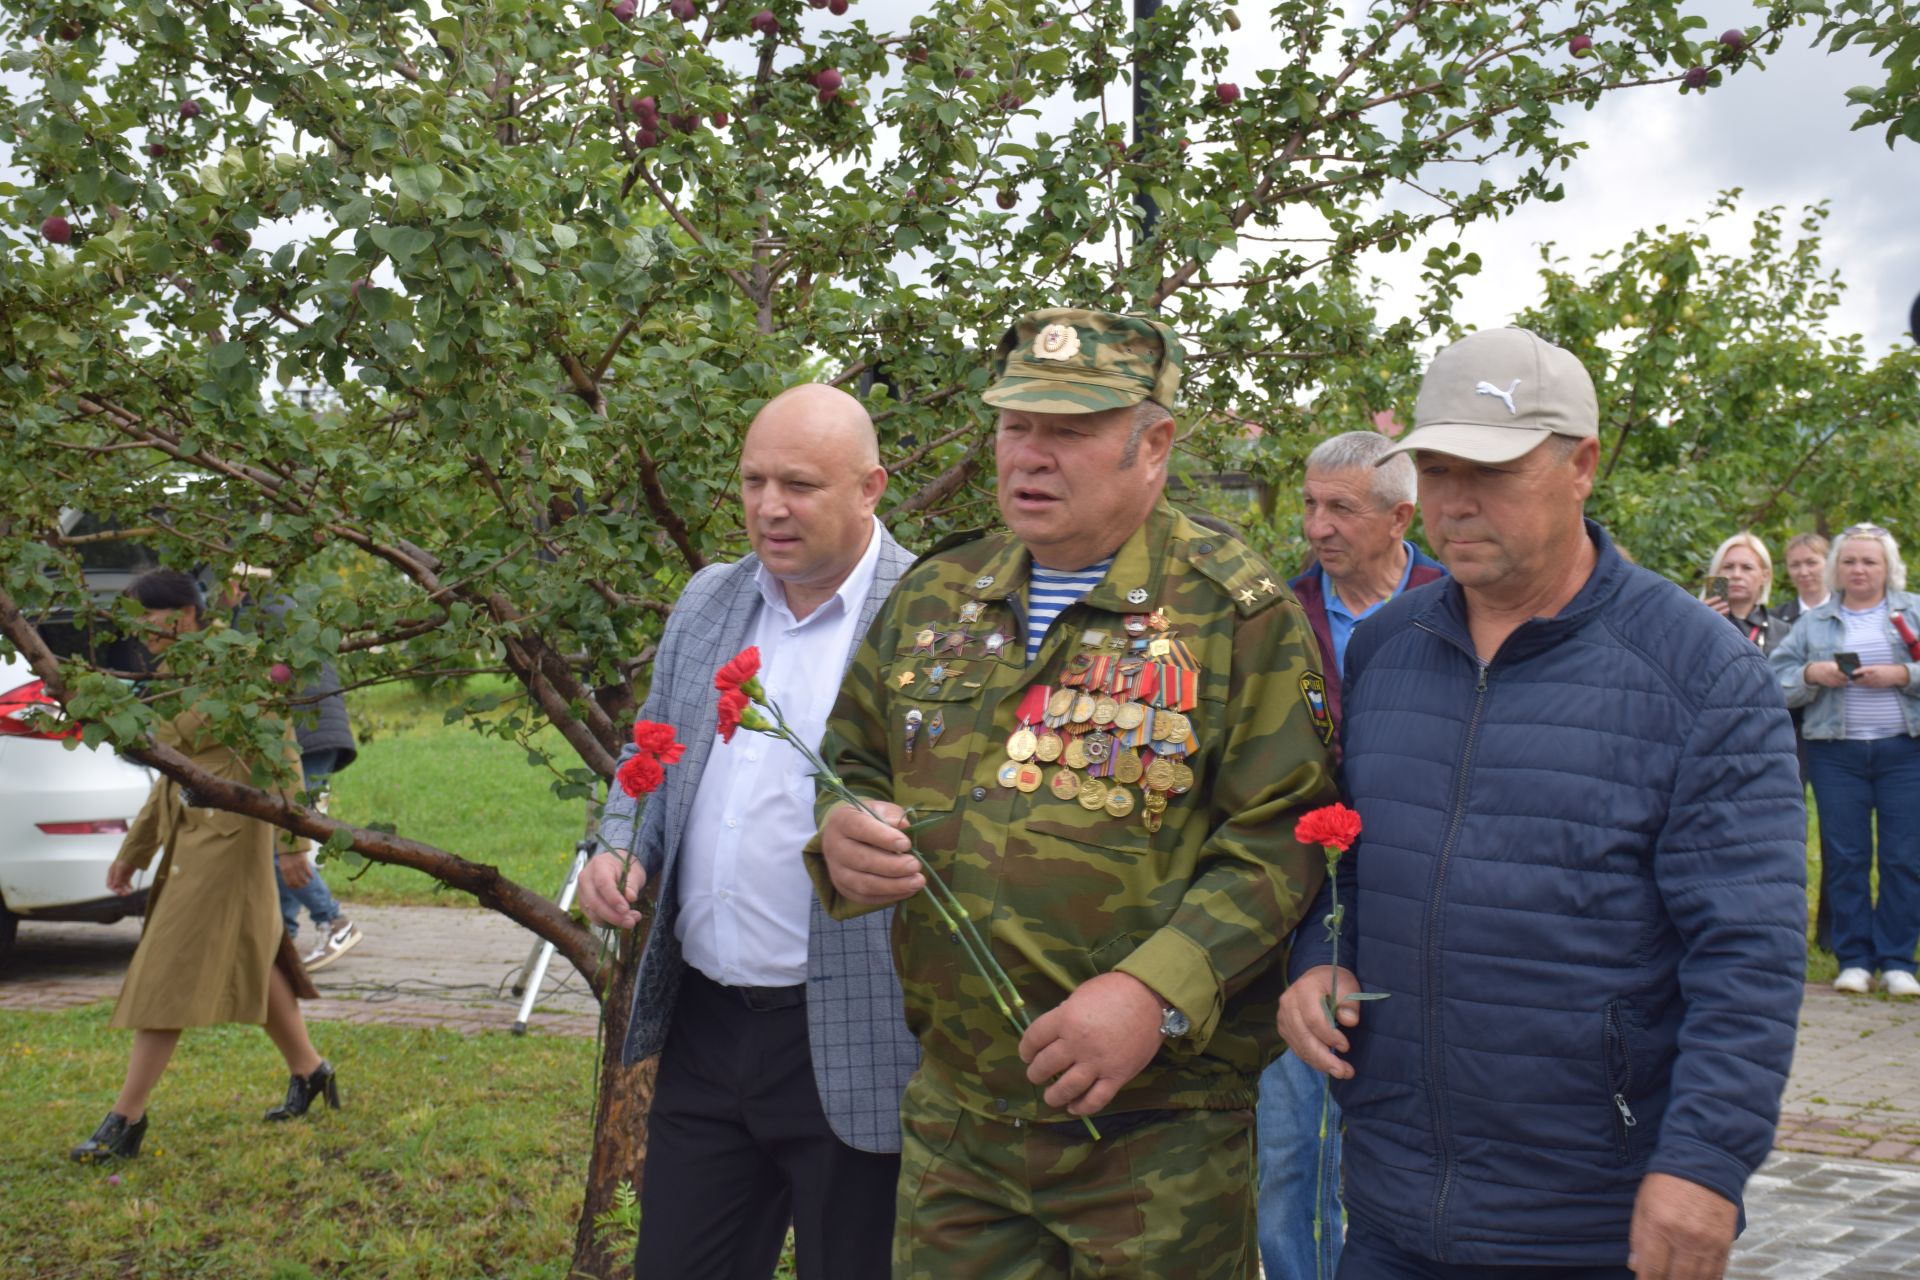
(342, 939)
(1899, 982)
(1852, 981)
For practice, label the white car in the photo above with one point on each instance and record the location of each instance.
(62, 813)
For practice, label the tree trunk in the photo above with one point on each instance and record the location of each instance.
(619, 1125)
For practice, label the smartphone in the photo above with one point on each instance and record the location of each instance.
(1716, 589)
(1849, 664)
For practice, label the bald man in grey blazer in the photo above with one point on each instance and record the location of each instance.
(783, 1048)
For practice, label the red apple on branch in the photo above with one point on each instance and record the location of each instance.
(1227, 92)
(764, 22)
(1581, 46)
(57, 230)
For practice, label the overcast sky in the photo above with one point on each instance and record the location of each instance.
(1658, 156)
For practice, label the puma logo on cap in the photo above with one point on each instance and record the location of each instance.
(1505, 397)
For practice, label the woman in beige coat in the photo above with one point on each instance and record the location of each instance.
(214, 948)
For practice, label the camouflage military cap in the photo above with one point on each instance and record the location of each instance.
(1065, 360)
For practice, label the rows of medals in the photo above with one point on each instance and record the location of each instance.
(1116, 720)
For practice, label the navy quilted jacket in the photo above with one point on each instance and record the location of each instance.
(1581, 882)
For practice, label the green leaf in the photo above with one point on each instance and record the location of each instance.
(401, 242)
(418, 182)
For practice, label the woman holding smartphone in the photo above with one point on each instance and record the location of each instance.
(1854, 663)
(1739, 585)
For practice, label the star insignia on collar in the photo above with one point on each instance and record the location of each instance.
(1268, 585)
(1247, 596)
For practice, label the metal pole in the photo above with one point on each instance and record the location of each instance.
(534, 974)
(1145, 86)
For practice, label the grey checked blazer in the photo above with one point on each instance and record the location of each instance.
(862, 1052)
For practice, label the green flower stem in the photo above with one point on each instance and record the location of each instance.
(958, 920)
(1326, 1082)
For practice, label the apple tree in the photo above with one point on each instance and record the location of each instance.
(540, 260)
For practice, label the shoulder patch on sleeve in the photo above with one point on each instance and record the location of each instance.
(1313, 689)
(1244, 577)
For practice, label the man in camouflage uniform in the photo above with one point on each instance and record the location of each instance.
(1112, 802)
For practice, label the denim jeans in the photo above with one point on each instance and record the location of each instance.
(314, 896)
(1854, 783)
(1288, 1128)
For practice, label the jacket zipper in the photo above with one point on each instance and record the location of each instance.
(1618, 1032)
(1436, 1102)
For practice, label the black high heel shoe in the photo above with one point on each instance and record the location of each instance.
(302, 1090)
(115, 1139)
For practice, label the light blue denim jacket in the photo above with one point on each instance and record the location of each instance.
(1816, 637)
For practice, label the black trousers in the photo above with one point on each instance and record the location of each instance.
(738, 1147)
(1368, 1257)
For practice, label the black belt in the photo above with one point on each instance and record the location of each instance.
(757, 999)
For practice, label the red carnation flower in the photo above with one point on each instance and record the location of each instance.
(1333, 826)
(656, 740)
(740, 671)
(642, 775)
(733, 704)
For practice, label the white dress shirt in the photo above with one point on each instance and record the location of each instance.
(744, 893)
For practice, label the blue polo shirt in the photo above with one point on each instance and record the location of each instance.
(1341, 620)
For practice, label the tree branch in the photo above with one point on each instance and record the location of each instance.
(485, 883)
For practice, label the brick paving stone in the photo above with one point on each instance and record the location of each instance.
(1812, 1218)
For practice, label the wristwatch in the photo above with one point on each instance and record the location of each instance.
(1173, 1022)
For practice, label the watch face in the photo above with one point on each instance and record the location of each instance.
(1174, 1023)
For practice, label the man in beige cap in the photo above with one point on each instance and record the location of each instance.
(1578, 883)
(1100, 719)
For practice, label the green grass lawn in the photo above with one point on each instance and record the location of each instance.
(449, 786)
(455, 1156)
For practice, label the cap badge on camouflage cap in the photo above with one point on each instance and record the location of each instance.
(1057, 342)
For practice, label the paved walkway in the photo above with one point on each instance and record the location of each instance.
(1840, 1199)
(418, 966)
